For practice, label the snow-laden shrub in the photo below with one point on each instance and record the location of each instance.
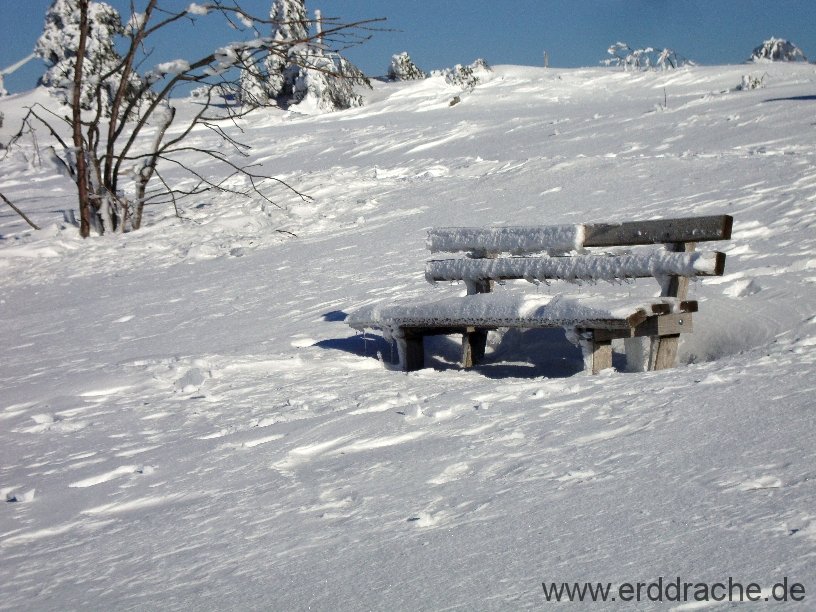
(466, 77)
(751, 81)
(669, 59)
(644, 59)
(403, 68)
(777, 50)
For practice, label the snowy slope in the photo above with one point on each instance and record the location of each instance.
(186, 421)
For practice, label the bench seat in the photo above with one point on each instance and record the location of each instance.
(596, 320)
(505, 309)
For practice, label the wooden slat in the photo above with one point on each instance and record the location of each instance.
(685, 306)
(453, 323)
(687, 229)
(662, 325)
(540, 238)
(580, 267)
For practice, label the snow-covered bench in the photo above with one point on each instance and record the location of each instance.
(582, 254)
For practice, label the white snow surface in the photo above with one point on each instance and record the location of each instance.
(187, 421)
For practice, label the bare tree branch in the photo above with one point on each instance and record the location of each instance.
(19, 212)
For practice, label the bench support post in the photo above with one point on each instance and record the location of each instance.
(597, 350)
(666, 355)
(601, 355)
(412, 351)
(664, 348)
(474, 342)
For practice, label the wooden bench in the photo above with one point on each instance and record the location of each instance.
(662, 249)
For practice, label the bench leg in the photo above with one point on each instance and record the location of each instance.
(412, 351)
(665, 353)
(474, 342)
(601, 355)
(597, 353)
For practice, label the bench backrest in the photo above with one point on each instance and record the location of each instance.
(562, 252)
(564, 238)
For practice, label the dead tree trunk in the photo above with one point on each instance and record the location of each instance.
(82, 179)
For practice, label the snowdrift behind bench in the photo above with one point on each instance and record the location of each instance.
(572, 253)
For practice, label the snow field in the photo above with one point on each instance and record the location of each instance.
(186, 419)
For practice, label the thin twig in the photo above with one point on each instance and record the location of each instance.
(19, 212)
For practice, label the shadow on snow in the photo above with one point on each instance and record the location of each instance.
(515, 353)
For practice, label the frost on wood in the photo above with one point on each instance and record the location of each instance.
(575, 269)
(552, 239)
(777, 50)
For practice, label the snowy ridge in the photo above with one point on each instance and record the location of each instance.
(553, 239)
(575, 269)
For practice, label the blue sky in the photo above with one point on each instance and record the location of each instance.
(440, 33)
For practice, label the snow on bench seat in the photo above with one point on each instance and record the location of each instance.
(582, 268)
(495, 310)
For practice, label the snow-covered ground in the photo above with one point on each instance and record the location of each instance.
(187, 421)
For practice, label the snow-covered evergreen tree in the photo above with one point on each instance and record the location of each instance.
(58, 44)
(777, 50)
(252, 83)
(3, 91)
(298, 66)
(290, 28)
(328, 80)
(403, 68)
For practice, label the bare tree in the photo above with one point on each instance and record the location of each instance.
(129, 135)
